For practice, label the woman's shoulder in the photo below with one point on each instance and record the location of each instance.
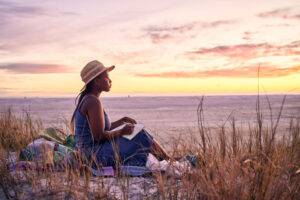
(90, 102)
(91, 98)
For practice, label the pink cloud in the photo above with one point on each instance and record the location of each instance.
(247, 51)
(34, 68)
(284, 13)
(158, 38)
(159, 34)
(247, 35)
(242, 72)
(129, 57)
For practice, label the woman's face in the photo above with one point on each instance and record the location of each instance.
(103, 82)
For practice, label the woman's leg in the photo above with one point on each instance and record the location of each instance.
(159, 152)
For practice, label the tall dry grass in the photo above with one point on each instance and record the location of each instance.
(257, 163)
(15, 134)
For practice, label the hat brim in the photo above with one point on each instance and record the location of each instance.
(110, 68)
(106, 69)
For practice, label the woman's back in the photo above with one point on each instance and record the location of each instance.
(83, 136)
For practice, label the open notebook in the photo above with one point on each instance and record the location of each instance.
(137, 128)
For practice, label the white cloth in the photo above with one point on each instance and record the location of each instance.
(172, 168)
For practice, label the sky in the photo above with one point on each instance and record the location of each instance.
(169, 47)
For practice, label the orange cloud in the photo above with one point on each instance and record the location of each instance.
(34, 68)
(243, 72)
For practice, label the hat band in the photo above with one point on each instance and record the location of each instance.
(91, 73)
(87, 79)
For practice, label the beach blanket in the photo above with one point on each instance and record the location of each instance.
(103, 171)
(51, 146)
(54, 150)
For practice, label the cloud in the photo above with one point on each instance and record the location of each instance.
(159, 34)
(23, 26)
(189, 26)
(178, 29)
(34, 68)
(13, 9)
(215, 24)
(247, 35)
(279, 25)
(159, 38)
(284, 13)
(242, 72)
(247, 51)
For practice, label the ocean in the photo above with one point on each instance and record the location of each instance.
(166, 116)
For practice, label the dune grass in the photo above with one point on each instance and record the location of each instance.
(257, 163)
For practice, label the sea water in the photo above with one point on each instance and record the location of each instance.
(168, 116)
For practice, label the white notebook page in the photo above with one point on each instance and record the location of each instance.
(137, 128)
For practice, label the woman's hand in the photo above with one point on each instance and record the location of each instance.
(121, 121)
(127, 129)
(128, 120)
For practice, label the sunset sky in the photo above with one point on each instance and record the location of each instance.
(158, 47)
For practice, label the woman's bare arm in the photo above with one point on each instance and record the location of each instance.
(116, 124)
(94, 112)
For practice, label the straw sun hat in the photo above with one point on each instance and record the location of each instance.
(92, 70)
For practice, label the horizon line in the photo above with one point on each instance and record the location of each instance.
(153, 95)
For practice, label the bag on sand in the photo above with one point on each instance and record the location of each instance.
(51, 146)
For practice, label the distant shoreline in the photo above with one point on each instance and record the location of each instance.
(152, 96)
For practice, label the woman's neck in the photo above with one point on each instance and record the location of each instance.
(95, 93)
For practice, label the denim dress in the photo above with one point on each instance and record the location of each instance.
(117, 151)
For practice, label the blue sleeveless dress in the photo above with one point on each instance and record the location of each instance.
(120, 150)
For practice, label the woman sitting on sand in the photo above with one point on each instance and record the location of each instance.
(94, 137)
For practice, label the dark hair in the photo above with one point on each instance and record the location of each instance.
(88, 88)
(78, 99)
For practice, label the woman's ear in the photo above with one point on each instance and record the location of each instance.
(97, 83)
(96, 80)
